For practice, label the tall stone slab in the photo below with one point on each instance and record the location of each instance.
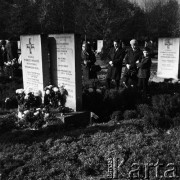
(65, 55)
(168, 58)
(99, 45)
(34, 54)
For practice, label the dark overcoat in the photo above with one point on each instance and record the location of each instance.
(88, 56)
(144, 67)
(114, 72)
(3, 56)
(131, 58)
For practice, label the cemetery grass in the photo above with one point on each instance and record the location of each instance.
(145, 132)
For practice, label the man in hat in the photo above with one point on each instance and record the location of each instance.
(133, 55)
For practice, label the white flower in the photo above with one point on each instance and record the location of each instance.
(46, 115)
(20, 115)
(38, 93)
(91, 90)
(26, 112)
(36, 113)
(47, 91)
(19, 91)
(26, 96)
(8, 63)
(50, 86)
(55, 89)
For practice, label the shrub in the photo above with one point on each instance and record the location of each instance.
(166, 104)
(176, 121)
(117, 115)
(142, 110)
(7, 122)
(130, 114)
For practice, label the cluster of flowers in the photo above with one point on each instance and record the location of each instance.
(35, 114)
(11, 63)
(55, 96)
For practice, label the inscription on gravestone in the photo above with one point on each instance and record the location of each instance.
(66, 66)
(34, 54)
(168, 58)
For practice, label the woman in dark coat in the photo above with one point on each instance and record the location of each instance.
(115, 57)
(88, 60)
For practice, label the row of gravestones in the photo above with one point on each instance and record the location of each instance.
(56, 59)
(53, 59)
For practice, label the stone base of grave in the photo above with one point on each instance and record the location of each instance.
(81, 118)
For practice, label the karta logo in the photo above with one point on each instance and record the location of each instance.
(143, 170)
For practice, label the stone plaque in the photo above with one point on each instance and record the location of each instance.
(168, 58)
(65, 55)
(34, 54)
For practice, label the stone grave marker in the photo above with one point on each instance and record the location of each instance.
(168, 58)
(99, 45)
(65, 57)
(34, 54)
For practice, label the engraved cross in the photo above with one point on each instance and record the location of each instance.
(168, 43)
(30, 46)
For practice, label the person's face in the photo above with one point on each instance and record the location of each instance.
(116, 45)
(134, 46)
(146, 53)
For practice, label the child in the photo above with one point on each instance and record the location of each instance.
(144, 66)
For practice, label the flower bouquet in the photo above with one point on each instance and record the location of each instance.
(34, 114)
(10, 66)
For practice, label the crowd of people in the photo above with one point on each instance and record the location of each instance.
(137, 65)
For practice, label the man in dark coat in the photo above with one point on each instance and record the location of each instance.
(115, 57)
(144, 66)
(133, 55)
(88, 60)
(3, 55)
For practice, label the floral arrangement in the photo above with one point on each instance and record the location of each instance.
(11, 63)
(35, 113)
(10, 66)
(55, 96)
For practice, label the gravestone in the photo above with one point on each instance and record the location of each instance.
(65, 55)
(34, 54)
(168, 58)
(99, 45)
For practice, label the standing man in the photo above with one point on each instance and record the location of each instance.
(88, 59)
(3, 56)
(133, 55)
(115, 57)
